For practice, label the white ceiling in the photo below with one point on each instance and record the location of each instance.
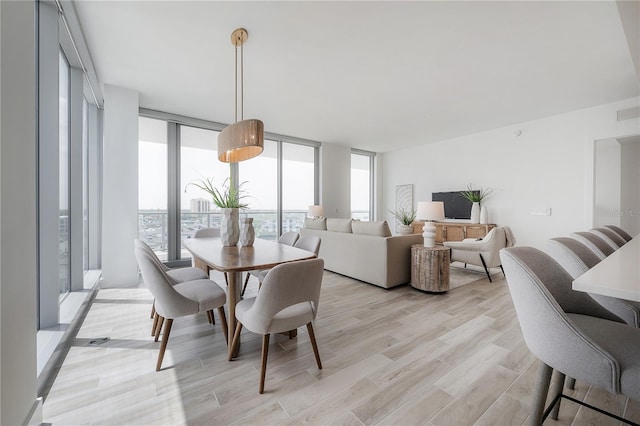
(373, 75)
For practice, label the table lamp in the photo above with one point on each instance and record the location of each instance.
(430, 211)
(315, 211)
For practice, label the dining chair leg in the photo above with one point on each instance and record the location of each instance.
(153, 310)
(158, 328)
(558, 386)
(155, 323)
(314, 344)
(236, 339)
(163, 345)
(226, 279)
(540, 394)
(246, 281)
(223, 323)
(263, 368)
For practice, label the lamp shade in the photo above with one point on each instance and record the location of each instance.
(315, 211)
(241, 141)
(430, 210)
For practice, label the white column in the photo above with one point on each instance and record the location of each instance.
(335, 180)
(120, 187)
(18, 218)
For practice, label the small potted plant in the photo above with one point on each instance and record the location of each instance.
(229, 201)
(475, 196)
(406, 218)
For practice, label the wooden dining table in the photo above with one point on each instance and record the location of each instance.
(618, 275)
(209, 253)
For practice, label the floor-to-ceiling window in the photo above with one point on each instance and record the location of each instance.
(362, 185)
(152, 184)
(259, 179)
(198, 161)
(63, 176)
(64, 139)
(298, 184)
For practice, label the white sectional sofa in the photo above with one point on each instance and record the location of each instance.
(365, 251)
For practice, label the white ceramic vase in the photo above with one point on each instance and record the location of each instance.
(247, 233)
(402, 229)
(484, 215)
(229, 227)
(475, 213)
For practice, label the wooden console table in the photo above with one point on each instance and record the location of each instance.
(430, 268)
(456, 231)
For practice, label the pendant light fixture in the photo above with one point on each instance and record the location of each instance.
(245, 138)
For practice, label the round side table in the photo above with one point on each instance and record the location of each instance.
(430, 268)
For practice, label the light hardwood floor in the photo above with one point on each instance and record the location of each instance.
(398, 357)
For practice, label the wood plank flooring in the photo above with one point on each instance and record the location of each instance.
(390, 357)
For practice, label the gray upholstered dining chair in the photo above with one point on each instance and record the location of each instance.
(177, 275)
(288, 238)
(209, 233)
(568, 331)
(178, 300)
(610, 236)
(620, 232)
(288, 299)
(309, 243)
(596, 244)
(576, 259)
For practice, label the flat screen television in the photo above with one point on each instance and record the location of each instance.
(455, 205)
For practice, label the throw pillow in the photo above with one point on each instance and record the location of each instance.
(315, 223)
(338, 225)
(379, 228)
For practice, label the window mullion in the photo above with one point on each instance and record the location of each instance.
(279, 214)
(173, 196)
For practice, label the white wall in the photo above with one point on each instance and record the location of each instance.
(335, 180)
(607, 183)
(547, 166)
(630, 187)
(120, 187)
(18, 219)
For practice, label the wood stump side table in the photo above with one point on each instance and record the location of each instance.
(430, 268)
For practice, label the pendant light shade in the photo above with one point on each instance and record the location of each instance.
(241, 141)
(245, 138)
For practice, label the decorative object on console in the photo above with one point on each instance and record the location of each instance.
(247, 233)
(315, 211)
(430, 211)
(484, 215)
(475, 196)
(245, 138)
(406, 218)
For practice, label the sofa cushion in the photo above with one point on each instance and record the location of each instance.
(379, 228)
(315, 223)
(338, 225)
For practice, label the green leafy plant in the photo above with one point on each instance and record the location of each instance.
(405, 216)
(227, 197)
(475, 195)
